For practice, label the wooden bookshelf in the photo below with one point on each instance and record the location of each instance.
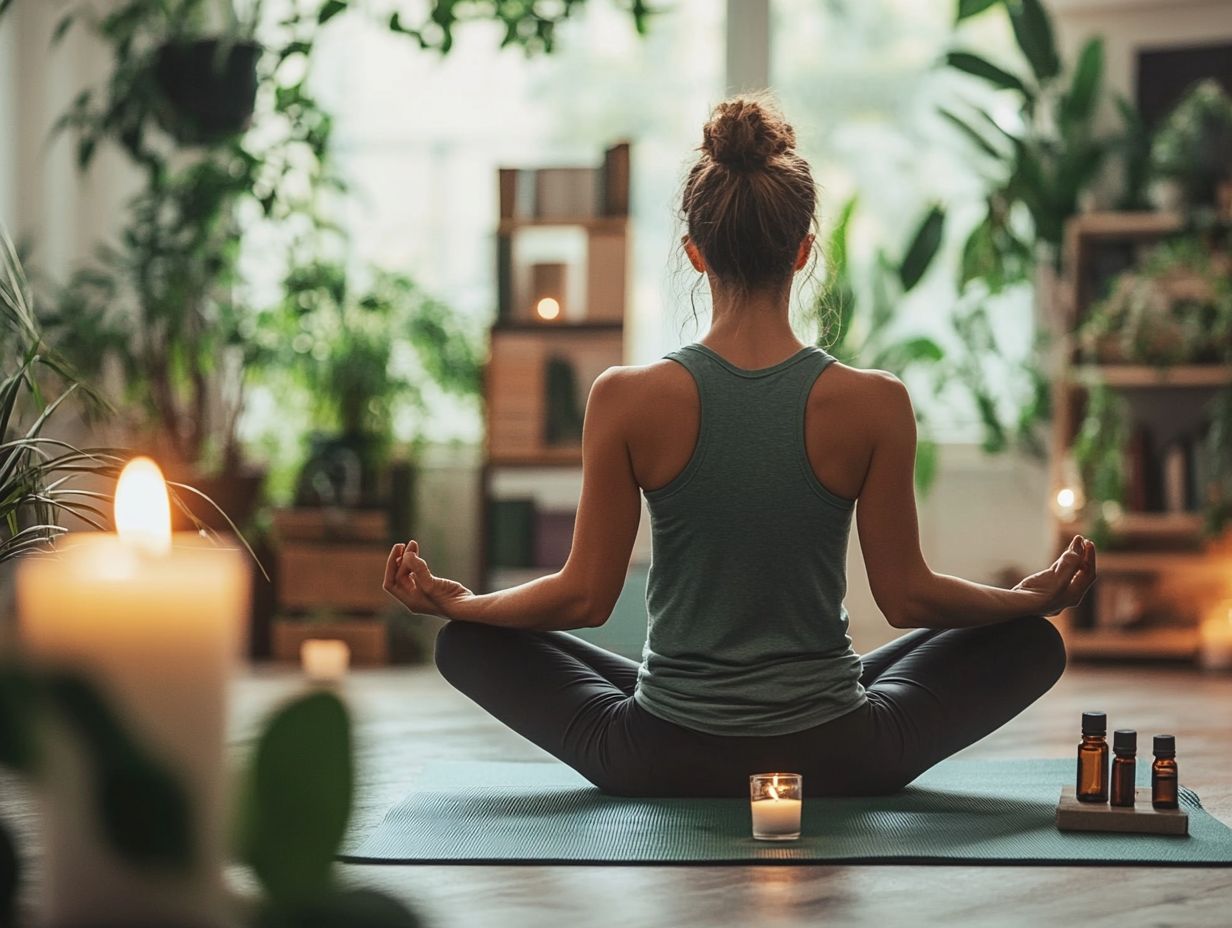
(1158, 568)
(541, 366)
(1137, 375)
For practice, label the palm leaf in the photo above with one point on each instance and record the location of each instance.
(973, 64)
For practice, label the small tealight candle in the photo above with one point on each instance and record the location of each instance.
(325, 660)
(776, 800)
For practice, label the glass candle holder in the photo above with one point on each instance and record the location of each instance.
(775, 800)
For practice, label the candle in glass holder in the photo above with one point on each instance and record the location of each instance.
(324, 660)
(775, 800)
(154, 622)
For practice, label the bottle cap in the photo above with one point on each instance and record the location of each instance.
(1165, 745)
(1094, 723)
(1125, 739)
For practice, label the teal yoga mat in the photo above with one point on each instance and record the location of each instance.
(961, 811)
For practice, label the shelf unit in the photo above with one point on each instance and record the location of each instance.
(541, 363)
(1165, 554)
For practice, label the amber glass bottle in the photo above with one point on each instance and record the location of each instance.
(1124, 766)
(1164, 773)
(1093, 759)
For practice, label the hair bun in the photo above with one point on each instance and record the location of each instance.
(744, 133)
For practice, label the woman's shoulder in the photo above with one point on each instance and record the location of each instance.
(636, 385)
(865, 405)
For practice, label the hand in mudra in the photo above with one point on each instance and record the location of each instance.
(1064, 583)
(408, 580)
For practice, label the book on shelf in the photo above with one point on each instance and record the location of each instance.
(508, 190)
(504, 277)
(614, 181)
(525, 204)
(1137, 483)
(606, 263)
(1174, 477)
(566, 193)
(553, 537)
(511, 533)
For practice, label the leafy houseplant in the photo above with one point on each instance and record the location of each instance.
(1175, 307)
(1194, 145)
(863, 336)
(1099, 451)
(1038, 173)
(358, 353)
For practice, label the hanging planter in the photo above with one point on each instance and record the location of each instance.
(209, 86)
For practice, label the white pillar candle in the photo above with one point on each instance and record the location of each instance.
(155, 622)
(776, 818)
(325, 660)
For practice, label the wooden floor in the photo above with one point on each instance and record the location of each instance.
(408, 718)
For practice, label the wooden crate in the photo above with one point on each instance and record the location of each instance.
(331, 524)
(330, 576)
(368, 639)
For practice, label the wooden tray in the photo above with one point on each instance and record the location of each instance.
(1141, 818)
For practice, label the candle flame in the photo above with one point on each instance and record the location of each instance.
(548, 308)
(773, 787)
(142, 508)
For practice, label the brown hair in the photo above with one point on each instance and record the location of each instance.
(750, 199)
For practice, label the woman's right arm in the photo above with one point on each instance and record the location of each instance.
(908, 592)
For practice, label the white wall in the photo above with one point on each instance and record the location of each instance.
(44, 200)
(1128, 25)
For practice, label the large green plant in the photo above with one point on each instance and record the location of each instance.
(161, 302)
(857, 316)
(339, 343)
(1194, 145)
(1037, 170)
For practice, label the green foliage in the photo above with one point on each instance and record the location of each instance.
(10, 870)
(141, 803)
(1218, 452)
(1037, 171)
(923, 249)
(1099, 451)
(298, 798)
(1175, 307)
(856, 317)
(968, 8)
(1194, 145)
(18, 719)
(343, 346)
(1033, 32)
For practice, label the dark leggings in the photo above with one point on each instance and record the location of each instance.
(930, 694)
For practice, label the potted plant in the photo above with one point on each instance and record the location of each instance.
(163, 306)
(359, 346)
(1193, 148)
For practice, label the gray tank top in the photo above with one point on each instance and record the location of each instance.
(747, 629)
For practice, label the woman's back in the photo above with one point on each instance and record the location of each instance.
(747, 632)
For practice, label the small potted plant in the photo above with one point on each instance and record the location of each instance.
(1193, 148)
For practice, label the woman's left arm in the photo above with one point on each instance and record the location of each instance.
(583, 592)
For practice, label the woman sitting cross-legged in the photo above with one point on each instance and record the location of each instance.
(752, 451)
